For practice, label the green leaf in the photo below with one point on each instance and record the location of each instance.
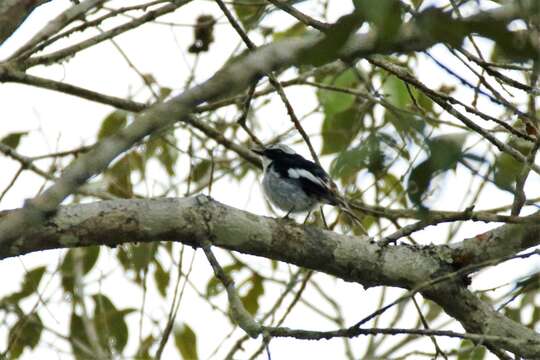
(419, 181)
(334, 102)
(113, 330)
(164, 92)
(446, 150)
(88, 256)
(29, 285)
(137, 258)
(476, 352)
(162, 148)
(392, 185)
(339, 130)
(200, 170)
(137, 162)
(406, 124)
(297, 29)
(12, 140)
(249, 11)
(336, 36)
(384, 14)
(535, 318)
(162, 279)
(112, 123)
(214, 286)
(445, 153)
(506, 171)
(368, 154)
(26, 333)
(119, 178)
(32, 280)
(396, 91)
(78, 338)
(143, 353)
(185, 340)
(251, 299)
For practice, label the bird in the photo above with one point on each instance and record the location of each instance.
(295, 184)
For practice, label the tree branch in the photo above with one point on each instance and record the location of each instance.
(195, 220)
(13, 13)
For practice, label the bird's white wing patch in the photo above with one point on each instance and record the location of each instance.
(286, 149)
(298, 173)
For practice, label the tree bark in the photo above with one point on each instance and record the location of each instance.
(13, 13)
(358, 259)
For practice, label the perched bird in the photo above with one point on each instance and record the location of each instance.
(295, 184)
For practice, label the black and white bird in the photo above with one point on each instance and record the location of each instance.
(295, 184)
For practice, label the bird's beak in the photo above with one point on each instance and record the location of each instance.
(258, 150)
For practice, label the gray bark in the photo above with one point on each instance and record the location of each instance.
(196, 219)
(13, 13)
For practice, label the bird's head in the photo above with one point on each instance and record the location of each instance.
(273, 152)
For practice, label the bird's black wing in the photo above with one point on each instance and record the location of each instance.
(319, 185)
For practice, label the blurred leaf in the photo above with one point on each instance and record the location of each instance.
(445, 152)
(535, 318)
(406, 124)
(297, 29)
(119, 178)
(137, 257)
(162, 148)
(339, 130)
(434, 310)
(392, 185)
(29, 285)
(249, 11)
(506, 171)
(162, 279)
(368, 154)
(89, 258)
(396, 91)
(143, 353)
(12, 140)
(185, 340)
(200, 170)
(112, 123)
(214, 287)
(335, 38)
(78, 339)
(476, 353)
(334, 102)
(512, 313)
(384, 14)
(31, 280)
(164, 92)
(251, 299)
(137, 162)
(26, 333)
(113, 330)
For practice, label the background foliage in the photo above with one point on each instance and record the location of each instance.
(389, 129)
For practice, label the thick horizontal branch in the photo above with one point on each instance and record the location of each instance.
(195, 220)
